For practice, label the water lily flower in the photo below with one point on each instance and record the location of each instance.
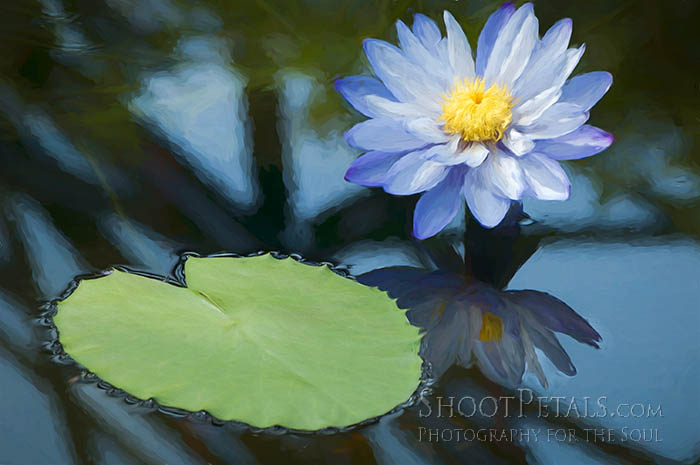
(467, 321)
(490, 130)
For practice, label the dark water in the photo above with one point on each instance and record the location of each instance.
(131, 131)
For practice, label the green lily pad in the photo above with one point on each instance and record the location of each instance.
(260, 340)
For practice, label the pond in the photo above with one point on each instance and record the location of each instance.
(132, 132)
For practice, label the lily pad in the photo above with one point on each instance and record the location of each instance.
(260, 340)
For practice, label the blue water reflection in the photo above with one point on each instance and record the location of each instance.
(650, 349)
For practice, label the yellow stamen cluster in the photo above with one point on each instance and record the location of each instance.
(476, 113)
(491, 327)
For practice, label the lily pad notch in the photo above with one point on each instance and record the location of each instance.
(266, 340)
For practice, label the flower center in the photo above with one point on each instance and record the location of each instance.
(491, 327)
(476, 113)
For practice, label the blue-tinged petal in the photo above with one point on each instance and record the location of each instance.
(559, 119)
(547, 77)
(556, 39)
(413, 174)
(442, 52)
(397, 110)
(371, 168)
(554, 314)
(415, 51)
(488, 208)
(382, 134)
(400, 75)
(583, 142)
(427, 31)
(517, 142)
(437, 207)
(513, 48)
(528, 112)
(585, 90)
(504, 174)
(547, 342)
(356, 89)
(490, 33)
(546, 180)
(458, 49)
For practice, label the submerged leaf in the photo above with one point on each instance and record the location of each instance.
(259, 340)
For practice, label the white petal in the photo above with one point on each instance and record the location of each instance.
(547, 52)
(475, 154)
(545, 177)
(513, 48)
(427, 129)
(453, 153)
(458, 49)
(550, 74)
(503, 172)
(517, 142)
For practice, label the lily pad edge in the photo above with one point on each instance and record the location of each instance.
(59, 356)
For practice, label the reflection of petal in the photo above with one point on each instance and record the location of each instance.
(546, 341)
(554, 314)
(503, 361)
(442, 342)
(452, 307)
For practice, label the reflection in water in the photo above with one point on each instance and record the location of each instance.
(314, 166)
(16, 328)
(148, 440)
(33, 427)
(36, 129)
(466, 319)
(643, 297)
(5, 249)
(53, 259)
(200, 107)
(145, 249)
(392, 446)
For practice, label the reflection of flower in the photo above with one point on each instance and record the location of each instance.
(466, 319)
(491, 130)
